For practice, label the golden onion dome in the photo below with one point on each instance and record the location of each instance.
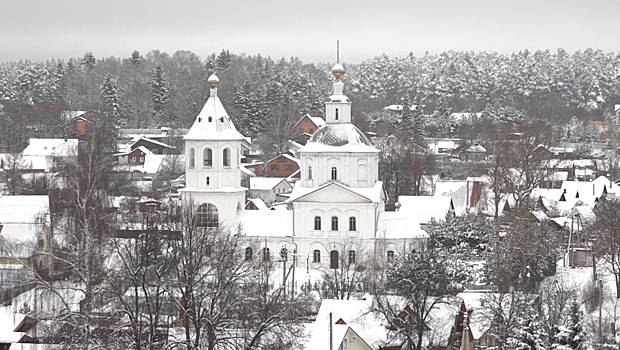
(213, 80)
(338, 71)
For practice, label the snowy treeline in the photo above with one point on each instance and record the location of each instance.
(161, 89)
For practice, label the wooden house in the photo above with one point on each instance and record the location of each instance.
(308, 124)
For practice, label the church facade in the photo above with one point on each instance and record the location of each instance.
(335, 210)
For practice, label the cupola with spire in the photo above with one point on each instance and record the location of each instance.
(338, 106)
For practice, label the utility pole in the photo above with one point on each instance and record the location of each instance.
(331, 333)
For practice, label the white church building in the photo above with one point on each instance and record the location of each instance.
(337, 203)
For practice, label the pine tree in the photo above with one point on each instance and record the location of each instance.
(89, 61)
(529, 335)
(160, 94)
(109, 96)
(136, 59)
(406, 119)
(418, 118)
(223, 60)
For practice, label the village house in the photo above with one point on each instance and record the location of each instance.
(154, 146)
(132, 156)
(308, 124)
(283, 165)
(270, 189)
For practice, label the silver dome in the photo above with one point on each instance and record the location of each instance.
(340, 135)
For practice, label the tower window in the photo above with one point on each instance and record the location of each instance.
(336, 113)
(309, 173)
(334, 223)
(316, 256)
(226, 157)
(208, 181)
(191, 158)
(207, 155)
(317, 223)
(352, 224)
(390, 256)
(334, 173)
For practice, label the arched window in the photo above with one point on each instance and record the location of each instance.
(334, 223)
(390, 256)
(336, 113)
(309, 173)
(207, 216)
(317, 223)
(266, 254)
(362, 175)
(351, 256)
(192, 158)
(226, 157)
(316, 256)
(334, 173)
(248, 254)
(333, 259)
(352, 224)
(207, 157)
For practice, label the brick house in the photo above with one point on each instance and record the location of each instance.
(283, 165)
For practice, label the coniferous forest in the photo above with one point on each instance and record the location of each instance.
(158, 89)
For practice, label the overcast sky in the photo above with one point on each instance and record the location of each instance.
(42, 29)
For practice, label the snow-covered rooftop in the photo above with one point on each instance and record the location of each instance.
(341, 137)
(398, 225)
(51, 147)
(426, 208)
(259, 223)
(265, 183)
(373, 194)
(213, 122)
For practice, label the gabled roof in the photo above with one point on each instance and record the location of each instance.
(213, 123)
(318, 121)
(373, 194)
(126, 153)
(266, 183)
(260, 205)
(287, 156)
(151, 141)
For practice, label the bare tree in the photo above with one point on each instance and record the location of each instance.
(605, 233)
(416, 284)
(349, 272)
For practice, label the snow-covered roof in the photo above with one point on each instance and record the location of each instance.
(155, 142)
(357, 314)
(588, 190)
(260, 223)
(398, 225)
(287, 156)
(465, 116)
(426, 208)
(318, 121)
(246, 171)
(266, 183)
(458, 190)
(126, 153)
(68, 115)
(341, 137)
(258, 202)
(476, 148)
(375, 194)
(51, 147)
(398, 108)
(213, 122)
(22, 209)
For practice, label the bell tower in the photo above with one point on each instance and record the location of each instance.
(213, 148)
